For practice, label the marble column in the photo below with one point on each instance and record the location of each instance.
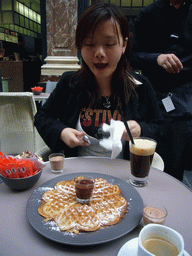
(61, 18)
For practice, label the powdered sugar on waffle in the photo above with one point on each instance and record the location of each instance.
(106, 208)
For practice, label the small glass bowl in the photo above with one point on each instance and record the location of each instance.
(154, 214)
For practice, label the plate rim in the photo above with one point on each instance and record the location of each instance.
(70, 176)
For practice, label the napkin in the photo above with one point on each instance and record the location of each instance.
(113, 143)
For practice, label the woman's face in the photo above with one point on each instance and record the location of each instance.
(102, 51)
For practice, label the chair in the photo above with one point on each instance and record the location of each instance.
(17, 131)
(157, 162)
(44, 152)
(50, 86)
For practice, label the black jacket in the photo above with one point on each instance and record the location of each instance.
(62, 109)
(160, 28)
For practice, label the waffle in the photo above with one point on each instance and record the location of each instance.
(110, 210)
(106, 208)
(66, 187)
(53, 208)
(54, 202)
(78, 217)
(56, 194)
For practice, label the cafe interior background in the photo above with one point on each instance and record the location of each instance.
(46, 28)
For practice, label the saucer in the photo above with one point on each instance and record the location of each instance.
(131, 248)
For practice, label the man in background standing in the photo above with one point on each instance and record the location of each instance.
(162, 50)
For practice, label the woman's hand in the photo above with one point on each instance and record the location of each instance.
(73, 138)
(170, 63)
(135, 130)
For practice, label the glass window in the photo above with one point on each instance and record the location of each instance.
(6, 5)
(115, 2)
(2, 36)
(6, 26)
(16, 18)
(7, 17)
(25, 31)
(16, 6)
(30, 14)
(14, 39)
(35, 16)
(35, 26)
(21, 9)
(147, 2)
(26, 11)
(26, 23)
(22, 23)
(125, 2)
(137, 2)
(12, 27)
(16, 28)
(32, 33)
(31, 24)
(21, 30)
(39, 29)
(39, 18)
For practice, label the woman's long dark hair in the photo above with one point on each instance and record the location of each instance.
(122, 85)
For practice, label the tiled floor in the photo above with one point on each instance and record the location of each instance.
(187, 179)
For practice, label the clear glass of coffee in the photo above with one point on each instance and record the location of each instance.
(141, 156)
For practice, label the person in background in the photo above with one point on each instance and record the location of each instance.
(83, 100)
(162, 50)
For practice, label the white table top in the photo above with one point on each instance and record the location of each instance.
(42, 96)
(17, 236)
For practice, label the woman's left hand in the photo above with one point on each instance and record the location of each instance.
(135, 130)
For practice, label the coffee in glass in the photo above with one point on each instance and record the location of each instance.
(141, 156)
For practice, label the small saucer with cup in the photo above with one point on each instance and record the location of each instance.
(163, 237)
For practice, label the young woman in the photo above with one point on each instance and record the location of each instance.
(84, 100)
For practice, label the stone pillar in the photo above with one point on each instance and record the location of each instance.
(61, 18)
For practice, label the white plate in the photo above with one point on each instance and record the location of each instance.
(131, 248)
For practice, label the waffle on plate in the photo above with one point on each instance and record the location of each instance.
(106, 208)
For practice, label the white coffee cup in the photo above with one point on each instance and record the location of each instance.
(163, 232)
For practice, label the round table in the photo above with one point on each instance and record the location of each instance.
(17, 236)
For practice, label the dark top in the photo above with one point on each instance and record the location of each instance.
(63, 108)
(161, 28)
